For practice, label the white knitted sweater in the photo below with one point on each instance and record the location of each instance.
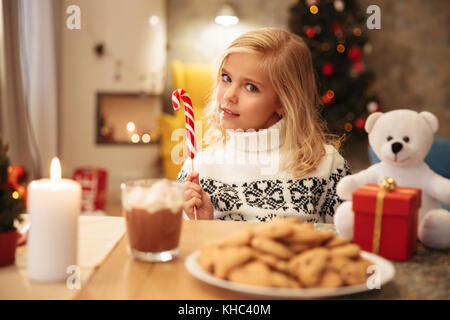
(244, 182)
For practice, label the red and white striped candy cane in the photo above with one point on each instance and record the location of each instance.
(180, 96)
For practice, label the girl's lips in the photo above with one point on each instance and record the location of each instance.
(228, 114)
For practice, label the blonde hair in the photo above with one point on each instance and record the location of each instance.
(287, 61)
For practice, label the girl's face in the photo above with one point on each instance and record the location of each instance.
(245, 96)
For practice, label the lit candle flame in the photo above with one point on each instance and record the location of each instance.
(55, 169)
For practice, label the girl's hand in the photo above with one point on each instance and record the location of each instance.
(195, 196)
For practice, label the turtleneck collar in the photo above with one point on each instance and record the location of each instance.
(257, 141)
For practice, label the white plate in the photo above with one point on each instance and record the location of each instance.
(386, 271)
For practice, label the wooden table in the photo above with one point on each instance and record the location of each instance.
(121, 277)
(97, 236)
(108, 271)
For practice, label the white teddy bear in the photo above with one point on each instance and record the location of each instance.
(401, 139)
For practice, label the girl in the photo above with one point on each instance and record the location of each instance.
(265, 151)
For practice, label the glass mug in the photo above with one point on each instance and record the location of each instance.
(153, 210)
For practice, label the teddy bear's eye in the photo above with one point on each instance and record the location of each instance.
(389, 138)
(406, 139)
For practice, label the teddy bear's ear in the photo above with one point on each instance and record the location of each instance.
(431, 119)
(370, 121)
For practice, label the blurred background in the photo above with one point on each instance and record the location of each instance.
(91, 81)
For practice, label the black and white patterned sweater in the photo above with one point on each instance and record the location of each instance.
(244, 181)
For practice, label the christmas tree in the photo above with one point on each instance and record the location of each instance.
(12, 191)
(335, 32)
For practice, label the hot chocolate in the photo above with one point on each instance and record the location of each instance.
(153, 212)
(153, 231)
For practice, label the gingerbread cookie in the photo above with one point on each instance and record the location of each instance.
(229, 258)
(272, 247)
(281, 280)
(268, 259)
(239, 239)
(309, 266)
(299, 247)
(331, 279)
(336, 242)
(350, 250)
(274, 230)
(253, 273)
(207, 257)
(304, 234)
(355, 272)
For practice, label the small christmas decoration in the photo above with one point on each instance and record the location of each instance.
(12, 204)
(354, 53)
(367, 48)
(327, 98)
(337, 29)
(327, 69)
(373, 106)
(359, 123)
(314, 9)
(339, 5)
(310, 32)
(358, 67)
(357, 32)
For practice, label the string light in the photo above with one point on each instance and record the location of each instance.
(330, 94)
(15, 195)
(135, 138)
(357, 32)
(340, 48)
(145, 138)
(131, 126)
(339, 5)
(348, 127)
(314, 9)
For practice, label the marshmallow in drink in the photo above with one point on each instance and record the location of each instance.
(154, 198)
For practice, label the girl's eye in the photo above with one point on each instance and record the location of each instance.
(251, 88)
(226, 78)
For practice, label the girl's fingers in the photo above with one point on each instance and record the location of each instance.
(193, 186)
(188, 194)
(192, 177)
(190, 204)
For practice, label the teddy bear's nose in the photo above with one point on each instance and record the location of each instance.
(396, 147)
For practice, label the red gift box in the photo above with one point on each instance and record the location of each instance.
(386, 220)
(93, 186)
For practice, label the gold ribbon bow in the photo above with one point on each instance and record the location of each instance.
(386, 185)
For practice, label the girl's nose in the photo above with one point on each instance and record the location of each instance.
(231, 94)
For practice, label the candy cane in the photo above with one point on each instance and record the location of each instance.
(181, 97)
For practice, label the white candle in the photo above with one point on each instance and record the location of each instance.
(54, 206)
